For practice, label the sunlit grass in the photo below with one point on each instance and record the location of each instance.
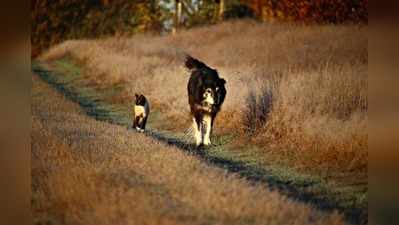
(86, 171)
(314, 78)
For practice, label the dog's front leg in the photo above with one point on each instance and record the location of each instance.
(207, 121)
(197, 132)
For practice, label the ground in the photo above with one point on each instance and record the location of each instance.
(306, 159)
(86, 171)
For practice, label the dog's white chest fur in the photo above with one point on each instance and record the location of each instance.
(208, 97)
(140, 110)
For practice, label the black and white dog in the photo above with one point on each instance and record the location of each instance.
(141, 112)
(206, 93)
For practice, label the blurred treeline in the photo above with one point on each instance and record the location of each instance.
(56, 20)
(312, 11)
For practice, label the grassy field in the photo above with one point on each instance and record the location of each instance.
(89, 172)
(295, 113)
(302, 90)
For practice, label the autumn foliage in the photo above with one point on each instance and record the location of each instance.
(319, 11)
(56, 21)
(59, 20)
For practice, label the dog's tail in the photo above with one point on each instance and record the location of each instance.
(193, 64)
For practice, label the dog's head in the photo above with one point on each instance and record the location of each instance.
(140, 99)
(212, 90)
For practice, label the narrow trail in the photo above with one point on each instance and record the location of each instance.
(251, 172)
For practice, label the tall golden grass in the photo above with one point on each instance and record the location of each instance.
(90, 172)
(299, 89)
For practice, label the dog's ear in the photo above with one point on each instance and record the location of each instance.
(222, 81)
(136, 95)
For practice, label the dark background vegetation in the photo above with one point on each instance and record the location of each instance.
(56, 20)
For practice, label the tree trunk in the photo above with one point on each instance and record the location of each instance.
(178, 8)
(221, 10)
(153, 6)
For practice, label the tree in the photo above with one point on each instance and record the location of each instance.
(177, 16)
(56, 20)
(311, 11)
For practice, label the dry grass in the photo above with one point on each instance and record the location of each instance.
(319, 117)
(308, 84)
(90, 172)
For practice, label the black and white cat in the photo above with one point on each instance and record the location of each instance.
(141, 112)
